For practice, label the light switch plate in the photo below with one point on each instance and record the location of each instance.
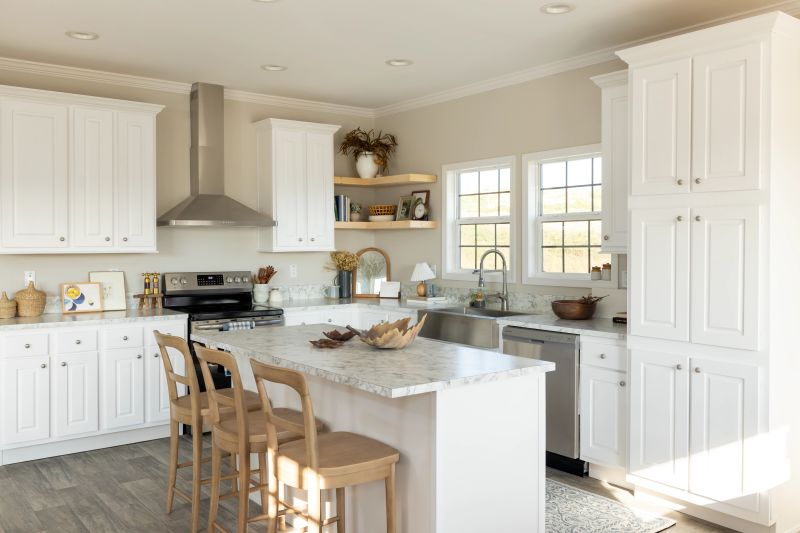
(292, 271)
(30, 276)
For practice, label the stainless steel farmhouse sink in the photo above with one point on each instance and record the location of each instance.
(465, 325)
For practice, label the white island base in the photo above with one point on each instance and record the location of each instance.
(472, 458)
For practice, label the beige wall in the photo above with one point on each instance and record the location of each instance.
(186, 248)
(548, 113)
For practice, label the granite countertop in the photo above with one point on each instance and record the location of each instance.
(88, 319)
(424, 366)
(595, 327)
(387, 304)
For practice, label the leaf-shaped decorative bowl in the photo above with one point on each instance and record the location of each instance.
(390, 336)
(337, 335)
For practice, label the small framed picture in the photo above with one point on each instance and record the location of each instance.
(112, 284)
(424, 195)
(421, 197)
(81, 297)
(404, 208)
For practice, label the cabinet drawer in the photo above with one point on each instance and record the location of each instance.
(127, 337)
(26, 344)
(76, 341)
(178, 330)
(609, 356)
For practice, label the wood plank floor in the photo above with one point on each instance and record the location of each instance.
(122, 489)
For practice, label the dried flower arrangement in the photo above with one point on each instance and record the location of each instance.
(342, 261)
(381, 145)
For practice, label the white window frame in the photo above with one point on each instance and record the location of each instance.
(532, 273)
(451, 256)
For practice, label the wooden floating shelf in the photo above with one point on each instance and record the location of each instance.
(385, 181)
(392, 224)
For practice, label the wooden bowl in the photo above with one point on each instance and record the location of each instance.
(390, 336)
(573, 309)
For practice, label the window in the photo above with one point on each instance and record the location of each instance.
(478, 215)
(563, 225)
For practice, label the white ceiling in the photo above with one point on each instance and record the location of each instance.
(335, 49)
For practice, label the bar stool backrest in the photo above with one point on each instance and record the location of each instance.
(216, 401)
(173, 378)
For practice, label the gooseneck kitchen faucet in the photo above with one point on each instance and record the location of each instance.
(502, 296)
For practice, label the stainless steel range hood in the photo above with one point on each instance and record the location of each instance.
(207, 204)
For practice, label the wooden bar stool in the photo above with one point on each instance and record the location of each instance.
(242, 433)
(332, 460)
(191, 409)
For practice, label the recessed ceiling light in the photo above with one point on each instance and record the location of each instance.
(82, 35)
(399, 62)
(273, 68)
(557, 9)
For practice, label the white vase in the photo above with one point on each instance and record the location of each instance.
(366, 166)
(260, 293)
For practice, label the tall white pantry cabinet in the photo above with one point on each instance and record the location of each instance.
(714, 255)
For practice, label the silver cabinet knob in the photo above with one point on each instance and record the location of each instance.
(605, 237)
(697, 218)
(125, 239)
(602, 356)
(300, 239)
(62, 239)
(63, 363)
(108, 239)
(621, 383)
(155, 356)
(27, 345)
(124, 337)
(698, 180)
(697, 369)
(330, 320)
(139, 356)
(679, 367)
(679, 218)
(312, 239)
(77, 341)
(43, 365)
(679, 182)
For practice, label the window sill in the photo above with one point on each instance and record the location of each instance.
(468, 276)
(577, 283)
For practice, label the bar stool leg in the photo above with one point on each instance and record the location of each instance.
(390, 500)
(173, 463)
(216, 465)
(197, 464)
(340, 521)
(263, 481)
(274, 495)
(244, 492)
(314, 508)
(232, 462)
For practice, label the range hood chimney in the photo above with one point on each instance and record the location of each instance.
(207, 204)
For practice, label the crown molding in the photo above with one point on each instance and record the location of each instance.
(298, 103)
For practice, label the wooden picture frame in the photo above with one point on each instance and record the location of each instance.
(404, 207)
(81, 297)
(113, 287)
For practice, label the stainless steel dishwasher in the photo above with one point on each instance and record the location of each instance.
(563, 423)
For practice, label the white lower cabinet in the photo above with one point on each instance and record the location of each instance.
(75, 393)
(301, 318)
(123, 387)
(604, 415)
(157, 393)
(26, 399)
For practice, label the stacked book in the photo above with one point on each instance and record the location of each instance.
(341, 208)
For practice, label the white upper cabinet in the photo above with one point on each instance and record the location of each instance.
(34, 174)
(77, 173)
(660, 127)
(615, 160)
(726, 119)
(295, 185)
(92, 179)
(659, 265)
(724, 276)
(136, 182)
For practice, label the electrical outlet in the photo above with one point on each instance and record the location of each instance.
(292, 271)
(30, 276)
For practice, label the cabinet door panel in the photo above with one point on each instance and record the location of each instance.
(26, 399)
(136, 194)
(660, 273)
(660, 417)
(75, 387)
(661, 128)
(725, 276)
(724, 427)
(123, 387)
(604, 413)
(615, 169)
(34, 173)
(92, 180)
(726, 129)
(290, 188)
(156, 383)
(319, 174)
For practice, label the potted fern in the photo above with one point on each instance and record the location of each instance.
(371, 150)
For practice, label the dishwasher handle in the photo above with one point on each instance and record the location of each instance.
(517, 334)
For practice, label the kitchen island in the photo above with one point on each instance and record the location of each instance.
(469, 424)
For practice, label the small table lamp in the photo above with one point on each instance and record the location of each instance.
(422, 273)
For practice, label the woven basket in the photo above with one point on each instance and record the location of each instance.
(8, 308)
(30, 302)
(382, 210)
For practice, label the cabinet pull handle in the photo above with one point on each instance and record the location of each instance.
(679, 182)
(679, 218)
(108, 239)
(698, 180)
(43, 365)
(139, 356)
(621, 383)
(62, 239)
(602, 356)
(697, 369)
(679, 367)
(77, 341)
(27, 345)
(124, 337)
(697, 218)
(63, 363)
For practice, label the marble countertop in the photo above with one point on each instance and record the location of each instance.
(424, 366)
(595, 327)
(88, 319)
(387, 304)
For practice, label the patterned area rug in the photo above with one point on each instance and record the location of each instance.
(571, 510)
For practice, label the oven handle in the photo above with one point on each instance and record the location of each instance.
(258, 323)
